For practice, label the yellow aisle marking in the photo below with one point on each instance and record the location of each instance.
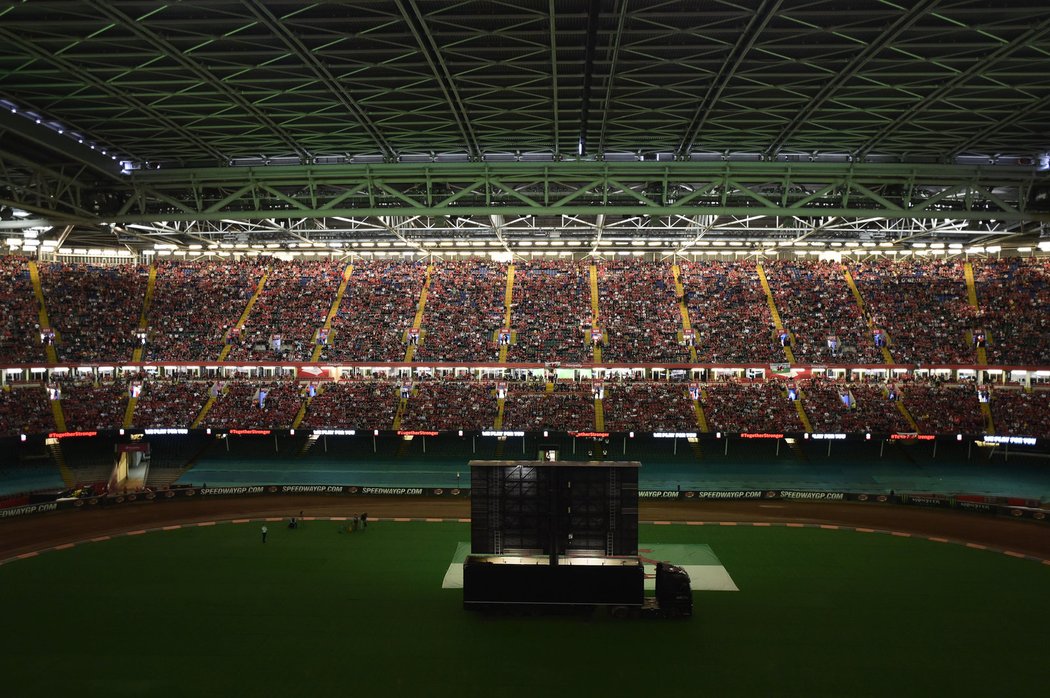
(773, 311)
(147, 301)
(907, 416)
(887, 357)
(599, 415)
(508, 301)
(331, 314)
(203, 413)
(45, 323)
(243, 319)
(803, 416)
(418, 321)
(682, 309)
(596, 353)
(971, 297)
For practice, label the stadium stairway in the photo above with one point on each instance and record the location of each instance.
(596, 352)
(906, 414)
(777, 323)
(340, 292)
(203, 413)
(599, 415)
(45, 323)
(701, 418)
(508, 305)
(971, 297)
(417, 322)
(129, 411)
(683, 310)
(54, 446)
(243, 318)
(147, 301)
(887, 357)
(989, 423)
(60, 417)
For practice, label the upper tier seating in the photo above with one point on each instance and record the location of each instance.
(195, 304)
(377, 309)
(1014, 300)
(465, 307)
(639, 313)
(552, 312)
(729, 312)
(20, 321)
(94, 310)
(921, 304)
(293, 306)
(815, 303)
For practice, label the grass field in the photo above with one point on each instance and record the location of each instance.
(314, 612)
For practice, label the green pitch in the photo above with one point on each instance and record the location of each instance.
(316, 612)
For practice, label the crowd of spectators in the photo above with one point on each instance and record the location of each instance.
(289, 312)
(638, 310)
(364, 404)
(648, 406)
(729, 313)
(921, 304)
(815, 304)
(1014, 300)
(25, 410)
(377, 309)
(529, 407)
(834, 407)
(551, 312)
(94, 310)
(94, 406)
(1021, 413)
(173, 404)
(237, 405)
(194, 306)
(464, 310)
(447, 406)
(944, 409)
(20, 320)
(732, 406)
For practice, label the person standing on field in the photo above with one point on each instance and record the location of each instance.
(264, 532)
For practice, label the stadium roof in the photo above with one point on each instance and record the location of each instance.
(758, 121)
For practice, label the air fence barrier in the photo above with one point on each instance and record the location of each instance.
(995, 506)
